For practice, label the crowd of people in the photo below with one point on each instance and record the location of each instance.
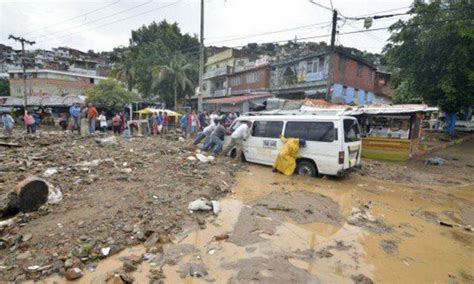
(84, 120)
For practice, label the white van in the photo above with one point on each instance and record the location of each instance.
(333, 143)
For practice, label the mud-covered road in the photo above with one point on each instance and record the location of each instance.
(412, 225)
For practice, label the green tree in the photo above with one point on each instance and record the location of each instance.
(435, 52)
(4, 87)
(111, 94)
(156, 45)
(125, 69)
(176, 73)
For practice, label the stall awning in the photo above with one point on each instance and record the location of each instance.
(236, 99)
(149, 110)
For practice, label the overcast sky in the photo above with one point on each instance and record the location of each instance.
(103, 24)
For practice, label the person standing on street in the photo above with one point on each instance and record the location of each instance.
(116, 123)
(30, 123)
(102, 122)
(183, 124)
(75, 113)
(237, 139)
(91, 116)
(8, 123)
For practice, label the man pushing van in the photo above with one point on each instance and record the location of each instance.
(285, 162)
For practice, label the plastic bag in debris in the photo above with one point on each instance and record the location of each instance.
(50, 172)
(216, 207)
(55, 195)
(191, 158)
(204, 158)
(93, 163)
(434, 161)
(108, 141)
(200, 204)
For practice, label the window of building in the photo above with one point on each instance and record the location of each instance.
(315, 65)
(360, 68)
(91, 80)
(342, 64)
(267, 129)
(310, 131)
(322, 62)
(235, 81)
(371, 76)
(252, 77)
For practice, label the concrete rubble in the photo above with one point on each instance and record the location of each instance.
(96, 197)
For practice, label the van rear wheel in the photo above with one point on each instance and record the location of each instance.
(306, 168)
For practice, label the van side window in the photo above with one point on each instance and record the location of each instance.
(310, 131)
(267, 129)
(351, 130)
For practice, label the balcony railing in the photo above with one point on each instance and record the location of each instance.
(217, 72)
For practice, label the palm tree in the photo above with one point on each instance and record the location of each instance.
(125, 68)
(176, 72)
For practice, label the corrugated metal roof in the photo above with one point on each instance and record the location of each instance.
(43, 100)
(236, 99)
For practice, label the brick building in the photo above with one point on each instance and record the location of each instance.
(249, 80)
(353, 79)
(51, 82)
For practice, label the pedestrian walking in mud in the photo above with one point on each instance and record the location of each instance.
(159, 122)
(75, 113)
(8, 123)
(166, 122)
(285, 162)
(84, 122)
(30, 123)
(237, 139)
(102, 122)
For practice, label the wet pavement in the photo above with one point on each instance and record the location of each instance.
(357, 229)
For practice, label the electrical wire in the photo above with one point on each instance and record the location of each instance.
(119, 20)
(73, 18)
(96, 20)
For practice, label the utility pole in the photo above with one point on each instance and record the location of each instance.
(23, 41)
(201, 59)
(331, 53)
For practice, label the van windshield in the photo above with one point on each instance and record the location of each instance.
(351, 130)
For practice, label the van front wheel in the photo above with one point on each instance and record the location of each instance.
(306, 168)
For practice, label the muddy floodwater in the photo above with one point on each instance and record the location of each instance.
(278, 229)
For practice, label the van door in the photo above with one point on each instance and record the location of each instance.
(352, 145)
(264, 142)
(321, 143)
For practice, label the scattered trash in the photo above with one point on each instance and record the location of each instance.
(436, 161)
(216, 207)
(204, 158)
(105, 251)
(109, 141)
(191, 158)
(211, 252)
(221, 237)
(33, 267)
(181, 139)
(7, 223)
(50, 172)
(200, 204)
(55, 195)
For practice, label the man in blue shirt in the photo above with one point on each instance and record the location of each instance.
(75, 112)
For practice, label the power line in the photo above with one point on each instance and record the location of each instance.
(99, 19)
(322, 6)
(73, 18)
(120, 20)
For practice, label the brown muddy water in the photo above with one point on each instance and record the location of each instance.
(317, 230)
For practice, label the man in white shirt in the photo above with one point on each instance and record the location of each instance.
(237, 138)
(206, 133)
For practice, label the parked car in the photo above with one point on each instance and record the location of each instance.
(333, 143)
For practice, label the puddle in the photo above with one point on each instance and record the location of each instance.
(279, 248)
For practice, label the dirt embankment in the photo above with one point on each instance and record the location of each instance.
(114, 195)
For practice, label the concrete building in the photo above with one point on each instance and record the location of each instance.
(42, 82)
(252, 78)
(217, 69)
(353, 79)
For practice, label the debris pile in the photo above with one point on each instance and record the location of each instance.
(96, 197)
